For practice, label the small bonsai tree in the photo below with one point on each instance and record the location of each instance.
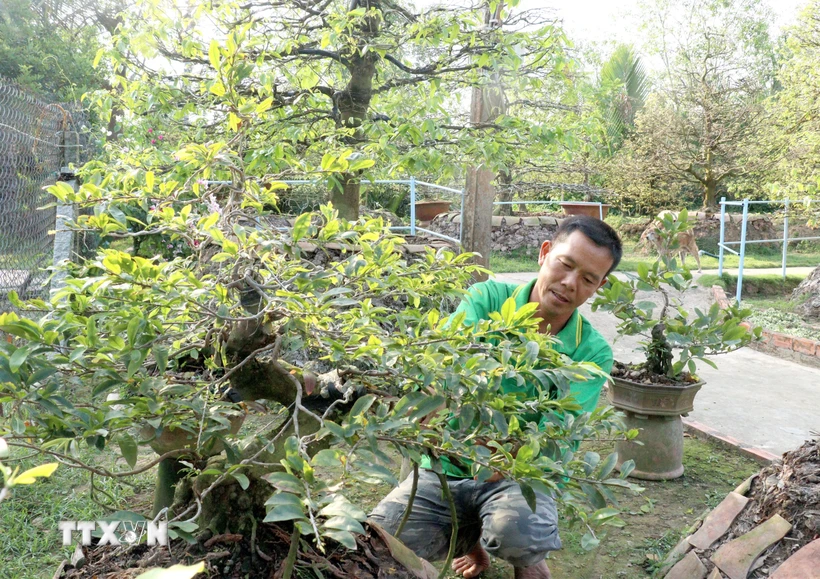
(694, 334)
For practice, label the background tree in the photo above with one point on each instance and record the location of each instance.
(339, 85)
(704, 125)
(48, 46)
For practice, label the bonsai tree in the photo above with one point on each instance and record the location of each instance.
(655, 392)
(140, 363)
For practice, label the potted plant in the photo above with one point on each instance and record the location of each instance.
(655, 393)
(427, 210)
(585, 208)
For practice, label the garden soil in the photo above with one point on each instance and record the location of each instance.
(233, 556)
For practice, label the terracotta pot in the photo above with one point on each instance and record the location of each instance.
(427, 210)
(571, 208)
(655, 411)
(652, 399)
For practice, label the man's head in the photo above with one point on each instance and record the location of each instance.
(574, 264)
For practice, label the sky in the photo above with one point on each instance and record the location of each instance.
(596, 20)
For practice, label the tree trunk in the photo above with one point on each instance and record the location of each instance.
(710, 195)
(345, 196)
(353, 104)
(504, 193)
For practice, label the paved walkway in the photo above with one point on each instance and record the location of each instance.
(755, 398)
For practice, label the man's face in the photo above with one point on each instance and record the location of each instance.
(571, 271)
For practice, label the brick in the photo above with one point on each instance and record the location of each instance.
(804, 346)
(736, 557)
(781, 340)
(718, 521)
(746, 325)
(802, 564)
(690, 567)
(675, 555)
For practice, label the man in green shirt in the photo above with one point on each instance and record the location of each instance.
(494, 517)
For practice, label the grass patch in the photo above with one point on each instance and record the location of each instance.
(522, 259)
(758, 285)
(768, 296)
(29, 518)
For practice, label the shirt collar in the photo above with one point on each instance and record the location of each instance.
(570, 335)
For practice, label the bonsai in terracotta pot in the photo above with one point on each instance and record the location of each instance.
(656, 392)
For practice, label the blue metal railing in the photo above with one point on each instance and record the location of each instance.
(723, 244)
(413, 183)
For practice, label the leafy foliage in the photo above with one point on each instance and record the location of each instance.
(696, 334)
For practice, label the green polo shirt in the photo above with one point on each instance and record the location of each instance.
(580, 344)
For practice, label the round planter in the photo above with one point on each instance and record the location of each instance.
(427, 210)
(571, 208)
(655, 410)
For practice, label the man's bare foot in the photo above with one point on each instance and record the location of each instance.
(473, 563)
(538, 571)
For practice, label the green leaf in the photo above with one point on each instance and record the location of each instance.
(19, 358)
(161, 356)
(285, 513)
(343, 537)
(362, 405)
(128, 449)
(529, 495)
(300, 227)
(284, 482)
(282, 498)
(608, 465)
(242, 479)
(426, 406)
(589, 542)
(626, 468)
(213, 54)
(344, 523)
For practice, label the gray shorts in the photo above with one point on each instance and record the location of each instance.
(494, 513)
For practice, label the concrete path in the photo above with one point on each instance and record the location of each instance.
(755, 398)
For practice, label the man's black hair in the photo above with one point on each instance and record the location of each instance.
(596, 230)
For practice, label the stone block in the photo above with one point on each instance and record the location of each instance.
(718, 521)
(805, 564)
(690, 567)
(736, 557)
(675, 555)
(498, 220)
(531, 221)
(512, 220)
(781, 340)
(715, 574)
(804, 346)
(548, 220)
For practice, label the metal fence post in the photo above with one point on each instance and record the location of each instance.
(461, 218)
(412, 205)
(742, 250)
(63, 236)
(600, 211)
(722, 235)
(785, 235)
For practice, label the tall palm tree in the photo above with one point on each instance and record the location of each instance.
(625, 86)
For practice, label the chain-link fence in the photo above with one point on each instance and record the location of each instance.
(37, 139)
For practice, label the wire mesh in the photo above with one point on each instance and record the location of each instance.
(33, 148)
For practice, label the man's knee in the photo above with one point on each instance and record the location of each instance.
(514, 533)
